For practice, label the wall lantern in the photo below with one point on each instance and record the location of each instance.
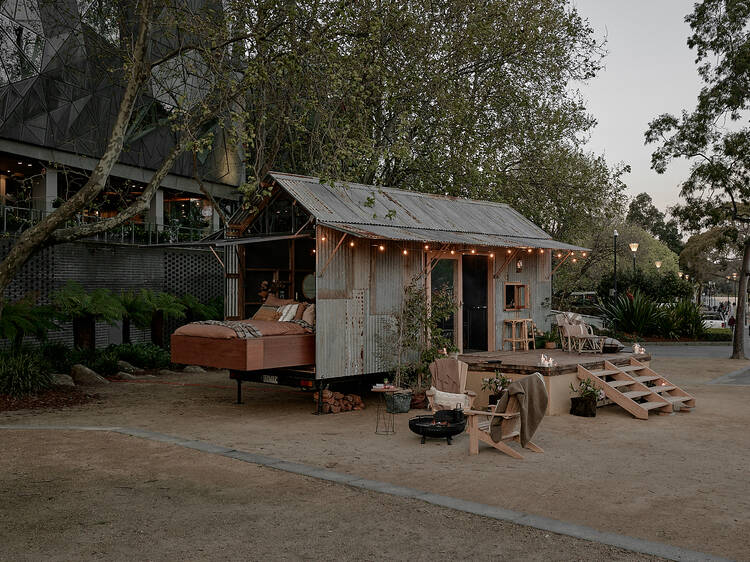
(519, 266)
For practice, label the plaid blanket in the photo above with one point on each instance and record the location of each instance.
(246, 330)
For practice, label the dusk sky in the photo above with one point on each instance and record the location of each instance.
(649, 71)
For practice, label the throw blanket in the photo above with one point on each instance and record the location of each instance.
(243, 329)
(532, 400)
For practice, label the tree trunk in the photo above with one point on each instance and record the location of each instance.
(126, 330)
(738, 345)
(157, 328)
(84, 332)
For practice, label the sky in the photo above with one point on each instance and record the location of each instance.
(649, 70)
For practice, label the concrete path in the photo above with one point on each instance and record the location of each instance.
(492, 512)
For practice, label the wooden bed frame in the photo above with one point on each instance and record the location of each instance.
(269, 352)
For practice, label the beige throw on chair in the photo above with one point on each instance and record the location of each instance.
(514, 418)
(449, 375)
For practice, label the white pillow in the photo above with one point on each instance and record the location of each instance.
(449, 400)
(288, 312)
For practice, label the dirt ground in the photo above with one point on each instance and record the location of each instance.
(129, 499)
(680, 479)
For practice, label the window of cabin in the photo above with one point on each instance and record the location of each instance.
(516, 296)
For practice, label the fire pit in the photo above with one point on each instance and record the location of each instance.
(446, 425)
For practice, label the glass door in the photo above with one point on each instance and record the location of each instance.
(445, 276)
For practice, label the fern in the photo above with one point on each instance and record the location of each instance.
(23, 318)
(72, 301)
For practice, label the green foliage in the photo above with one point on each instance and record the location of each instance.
(717, 334)
(642, 212)
(196, 310)
(144, 355)
(23, 373)
(23, 318)
(415, 339)
(633, 314)
(585, 389)
(661, 287)
(496, 384)
(639, 315)
(136, 308)
(164, 303)
(72, 301)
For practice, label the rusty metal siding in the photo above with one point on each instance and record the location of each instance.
(356, 297)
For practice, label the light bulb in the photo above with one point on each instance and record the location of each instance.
(381, 248)
(351, 243)
(405, 252)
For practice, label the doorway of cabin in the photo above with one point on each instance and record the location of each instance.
(475, 271)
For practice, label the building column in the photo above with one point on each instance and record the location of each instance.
(3, 188)
(155, 215)
(44, 191)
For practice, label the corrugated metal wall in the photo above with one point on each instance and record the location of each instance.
(362, 287)
(356, 295)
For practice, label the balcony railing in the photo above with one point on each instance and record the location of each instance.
(14, 220)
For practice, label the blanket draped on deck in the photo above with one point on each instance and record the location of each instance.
(531, 394)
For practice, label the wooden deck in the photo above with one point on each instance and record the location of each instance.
(527, 362)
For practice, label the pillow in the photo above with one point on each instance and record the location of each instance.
(287, 312)
(448, 400)
(266, 313)
(309, 315)
(300, 310)
(273, 300)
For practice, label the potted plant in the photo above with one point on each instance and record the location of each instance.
(585, 403)
(453, 351)
(496, 386)
(549, 340)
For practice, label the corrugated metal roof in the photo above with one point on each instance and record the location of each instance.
(443, 237)
(383, 212)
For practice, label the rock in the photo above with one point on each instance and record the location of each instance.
(166, 372)
(126, 367)
(86, 377)
(193, 369)
(123, 376)
(59, 379)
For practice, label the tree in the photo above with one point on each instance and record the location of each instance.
(642, 212)
(715, 135)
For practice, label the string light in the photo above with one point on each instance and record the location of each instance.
(492, 255)
(351, 243)
(559, 254)
(583, 254)
(453, 252)
(509, 250)
(575, 260)
(473, 251)
(313, 250)
(426, 247)
(405, 252)
(541, 250)
(529, 250)
(381, 248)
(322, 238)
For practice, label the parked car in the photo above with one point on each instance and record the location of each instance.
(714, 320)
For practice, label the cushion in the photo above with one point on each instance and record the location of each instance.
(611, 345)
(287, 312)
(300, 310)
(309, 315)
(448, 400)
(266, 313)
(273, 300)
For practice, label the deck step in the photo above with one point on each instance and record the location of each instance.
(659, 388)
(652, 405)
(603, 373)
(629, 368)
(636, 393)
(615, 384)
(629, 392)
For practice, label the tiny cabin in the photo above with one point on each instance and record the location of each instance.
(350, 250)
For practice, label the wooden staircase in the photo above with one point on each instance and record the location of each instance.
(638, 389)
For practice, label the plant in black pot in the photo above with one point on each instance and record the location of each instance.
(496, 386)
(585, 403)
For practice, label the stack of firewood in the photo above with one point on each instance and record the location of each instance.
(335, 402)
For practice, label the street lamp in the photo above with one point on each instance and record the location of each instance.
(734, 278)
(615, 247)
(634, 249)
(658, 263)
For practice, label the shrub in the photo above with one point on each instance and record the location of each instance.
(23, 318)
(633, 314)
(686, 320)
(72, 301)
(56, 356)
(717, 334)
(23, 373)
(144, 355)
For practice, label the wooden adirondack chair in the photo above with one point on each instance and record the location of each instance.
(578, 336)
(479, 426)
(449, 375)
